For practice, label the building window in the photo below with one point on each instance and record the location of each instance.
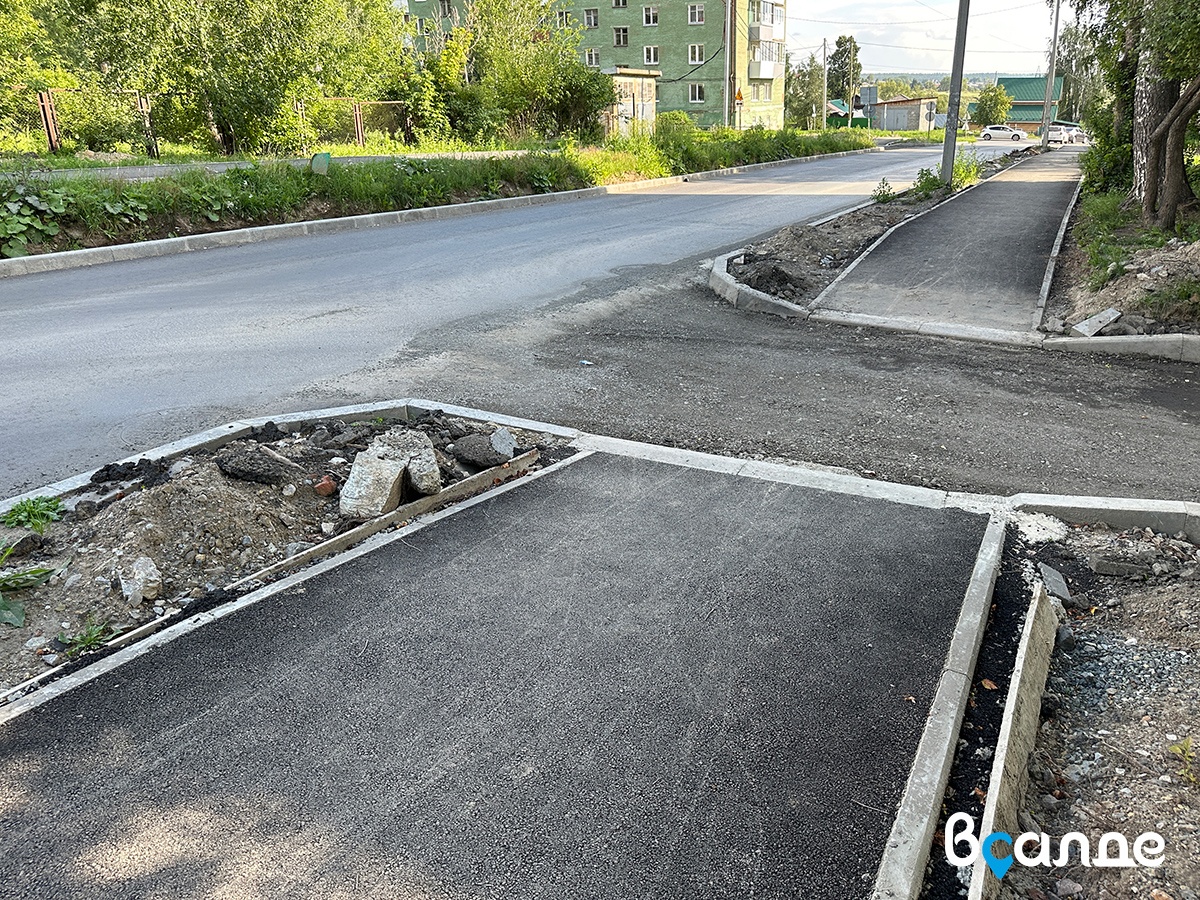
(422, 26)
(761, 90)
(563, 16)
(621, 37)
(620, 4)
(695, 13)
(649, 15)
(446, 8)
(767, 91)
(650, 56)
(695, 54)
(591, 18)
(591, 58)
(695, 93)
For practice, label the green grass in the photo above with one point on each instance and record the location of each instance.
(1108, 233)
(937, 136)
(34, 513)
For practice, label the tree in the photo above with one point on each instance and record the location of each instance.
(802, 91)
(993, 106)
(1083, 84)
(844, 77)
(533, 68)
(236, 64)
(891, 88)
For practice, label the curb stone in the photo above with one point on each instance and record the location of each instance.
(73, 259)
(1018, 733)
(902, 868)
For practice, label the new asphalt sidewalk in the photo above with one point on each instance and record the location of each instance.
(978, 260)
(622, 678)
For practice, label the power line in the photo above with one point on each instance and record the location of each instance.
(939, 49)
(917, 21)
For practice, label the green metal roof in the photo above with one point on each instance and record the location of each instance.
(1030, 90)
(1027, 113)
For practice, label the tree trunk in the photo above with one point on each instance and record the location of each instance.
(1176, 190)
(220, 134)
(1127, 64)
(1153, 98)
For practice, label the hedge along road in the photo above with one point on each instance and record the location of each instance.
(104, 361)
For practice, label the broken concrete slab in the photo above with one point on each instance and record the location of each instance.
(1091, 326)
(1055, 583)
(247, 462)
(378, 475)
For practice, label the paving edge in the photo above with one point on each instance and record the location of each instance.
(73, 259)
(1052, 262)
(902, 869)
(1018, 734)
(46, 693)
(1167, 516)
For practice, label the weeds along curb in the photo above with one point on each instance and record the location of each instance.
(1018, 733)
(902, 868)
(72, 259)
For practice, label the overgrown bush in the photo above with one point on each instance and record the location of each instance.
(99, 118)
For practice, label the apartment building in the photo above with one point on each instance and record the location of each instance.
(685, 40)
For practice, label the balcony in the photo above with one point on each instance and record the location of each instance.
(765, 69)
(763, 31)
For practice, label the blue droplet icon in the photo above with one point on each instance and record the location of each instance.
(999, 867)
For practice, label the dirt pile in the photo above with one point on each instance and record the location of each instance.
(1159, 292)
(201, 523)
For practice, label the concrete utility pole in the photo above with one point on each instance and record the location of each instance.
(1050, 79)
(956, 77)
(824, 83)
(726, 93)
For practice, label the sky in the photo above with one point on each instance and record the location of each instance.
(1005, 36)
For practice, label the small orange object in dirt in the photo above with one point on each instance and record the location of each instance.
(989, 684)
(326, 486)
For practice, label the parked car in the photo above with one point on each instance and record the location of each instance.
(1000, 133)
(1076, 135)
(1059, 134)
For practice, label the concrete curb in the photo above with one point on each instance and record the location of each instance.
(1018, 734)
(902, 868)
(1181, 347)
(1167, 516)
(1052, 262)
(72, 259)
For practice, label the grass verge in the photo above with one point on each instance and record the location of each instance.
(41, 213)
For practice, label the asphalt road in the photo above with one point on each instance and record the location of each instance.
(101, 362)
(623, 680)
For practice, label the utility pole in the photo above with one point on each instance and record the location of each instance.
(850, 87)
(824, 82)
(726, 93)
(1050, 80)
(956, 78)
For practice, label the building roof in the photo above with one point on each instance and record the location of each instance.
(839, 105)
(1026, 114)
(1031, 89)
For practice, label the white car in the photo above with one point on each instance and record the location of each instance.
(1059, 134)
(1000, 133)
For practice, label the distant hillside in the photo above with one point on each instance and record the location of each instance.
(971, 77)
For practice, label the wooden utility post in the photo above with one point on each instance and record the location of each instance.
(824, 82)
